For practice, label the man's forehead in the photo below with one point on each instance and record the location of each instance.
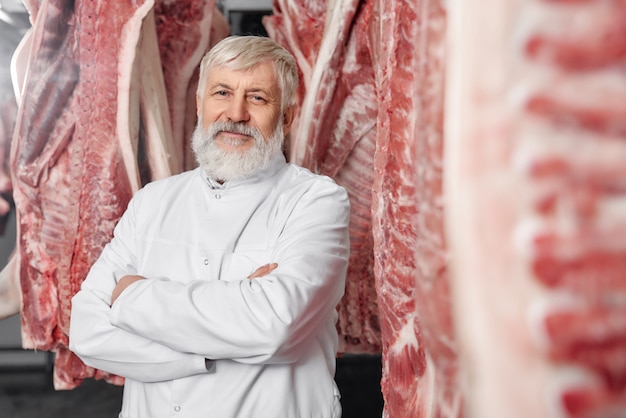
(262, 74)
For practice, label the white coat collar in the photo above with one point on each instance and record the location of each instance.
(272, 168)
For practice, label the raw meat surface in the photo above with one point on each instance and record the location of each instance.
(299, 27)
(419, 348)
(184, 34)
(336, 136)
(537, 215)
(70, 183)
(349, 159)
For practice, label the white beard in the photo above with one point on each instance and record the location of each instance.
(225, 165)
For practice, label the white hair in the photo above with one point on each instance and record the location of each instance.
(245, 52)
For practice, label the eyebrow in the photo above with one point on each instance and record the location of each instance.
(259, 90)
(250, 90)
(220, 85)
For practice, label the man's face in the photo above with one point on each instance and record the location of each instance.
(250, 98)
(240, 126)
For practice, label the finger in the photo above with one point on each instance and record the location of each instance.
(268, 268)
(263, 270)
(257, 273)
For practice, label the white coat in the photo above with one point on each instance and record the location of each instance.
(199, 339)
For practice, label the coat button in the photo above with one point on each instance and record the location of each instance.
(206, 261)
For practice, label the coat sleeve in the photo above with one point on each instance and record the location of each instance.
(272, 319)
(101, 345)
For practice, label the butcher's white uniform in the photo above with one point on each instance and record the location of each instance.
(271, 340)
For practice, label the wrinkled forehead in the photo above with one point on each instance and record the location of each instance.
(243, 65)
(261, 75)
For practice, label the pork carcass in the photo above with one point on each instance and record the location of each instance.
(70, 181)
(335, 136)
(419, 347)
(536, 192)
(299, 27)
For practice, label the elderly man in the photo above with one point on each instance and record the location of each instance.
(217, 295)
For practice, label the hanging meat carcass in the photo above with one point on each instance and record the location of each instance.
(52, 186)
(535, 186)
(299, 27)
(335, 135)
(419, 347)
(70, 181)
(93, 126)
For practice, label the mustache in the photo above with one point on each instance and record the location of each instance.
(234, 127)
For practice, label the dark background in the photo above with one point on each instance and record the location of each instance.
(26, 392)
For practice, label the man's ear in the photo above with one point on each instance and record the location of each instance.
(288, 116)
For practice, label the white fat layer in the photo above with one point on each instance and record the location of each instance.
(406, 336)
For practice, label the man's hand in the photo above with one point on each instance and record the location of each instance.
(123, 284)
(263, 271)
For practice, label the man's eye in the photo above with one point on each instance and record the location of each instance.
(258, 99)
(221, 93)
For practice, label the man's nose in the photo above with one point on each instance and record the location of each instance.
(237, 110)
